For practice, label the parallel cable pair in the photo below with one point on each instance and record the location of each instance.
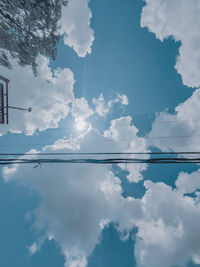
(113, 160)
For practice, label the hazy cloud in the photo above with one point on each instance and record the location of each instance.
(103, 107)
(33, 248)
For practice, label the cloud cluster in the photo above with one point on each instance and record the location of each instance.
(168, 232)
(49, 96)
(179, 19)
(81, 199)
(78, 201)
(75, 25)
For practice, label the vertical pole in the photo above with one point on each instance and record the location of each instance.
(3, 111)
(7, 101)
(2, 103)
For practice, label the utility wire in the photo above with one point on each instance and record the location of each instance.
(40, 161)
(101, 153)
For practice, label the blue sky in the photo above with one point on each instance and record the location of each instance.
(129, 72)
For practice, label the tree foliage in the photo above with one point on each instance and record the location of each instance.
(29, 28)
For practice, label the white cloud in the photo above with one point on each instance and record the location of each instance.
(168, 233)
(81, 109)
(81, 199)
(33, 248)
(179, 19)
(75, 24)
(103, 107)
(77, 262)
(127, 140)
(123, 99)
(49, 95)
(182, 128)
(188, 183)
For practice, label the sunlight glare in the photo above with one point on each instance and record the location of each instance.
(80, 125)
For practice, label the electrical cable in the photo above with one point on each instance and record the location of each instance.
(101, 153)
(39, 161)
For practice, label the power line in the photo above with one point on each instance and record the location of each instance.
(101, 161)
(101, 153)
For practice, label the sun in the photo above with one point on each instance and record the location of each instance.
(80, 125)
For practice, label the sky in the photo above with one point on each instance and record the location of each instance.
(126, 79)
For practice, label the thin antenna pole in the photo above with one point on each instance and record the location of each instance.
(27, 109)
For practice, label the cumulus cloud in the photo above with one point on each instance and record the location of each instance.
(103, 107)
(81, 199)
(188, 183)
(179, 19)
(75, 25)
(182, 128)
(168, 232)
(49, 95)
(73, 205)
(125, 136)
